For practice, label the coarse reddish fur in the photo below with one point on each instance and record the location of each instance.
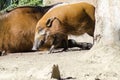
(71, 19)
(17, 28)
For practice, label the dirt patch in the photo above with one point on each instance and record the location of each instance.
(80, 65)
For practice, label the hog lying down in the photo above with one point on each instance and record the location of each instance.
(61, 21)
(17, 28)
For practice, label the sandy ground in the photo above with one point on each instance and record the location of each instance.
(77, 64)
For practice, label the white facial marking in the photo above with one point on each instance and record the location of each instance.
(42, 32)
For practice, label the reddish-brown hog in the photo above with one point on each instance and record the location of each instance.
(17, 28)
(71, 19)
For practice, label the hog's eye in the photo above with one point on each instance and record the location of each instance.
(41, 32)
(39, 29)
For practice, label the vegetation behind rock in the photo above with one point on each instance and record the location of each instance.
(9, 4)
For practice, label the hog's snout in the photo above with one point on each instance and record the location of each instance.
(37, 44)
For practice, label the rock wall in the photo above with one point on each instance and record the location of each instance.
(108, 21)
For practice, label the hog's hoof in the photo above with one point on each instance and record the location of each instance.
(3, 53)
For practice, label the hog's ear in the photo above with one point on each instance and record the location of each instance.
(49, 22)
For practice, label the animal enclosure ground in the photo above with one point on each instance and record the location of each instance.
(80, 65)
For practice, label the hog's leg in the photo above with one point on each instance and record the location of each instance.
(54, 42)
(65, 45)
(51, 49)
(2, 53)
